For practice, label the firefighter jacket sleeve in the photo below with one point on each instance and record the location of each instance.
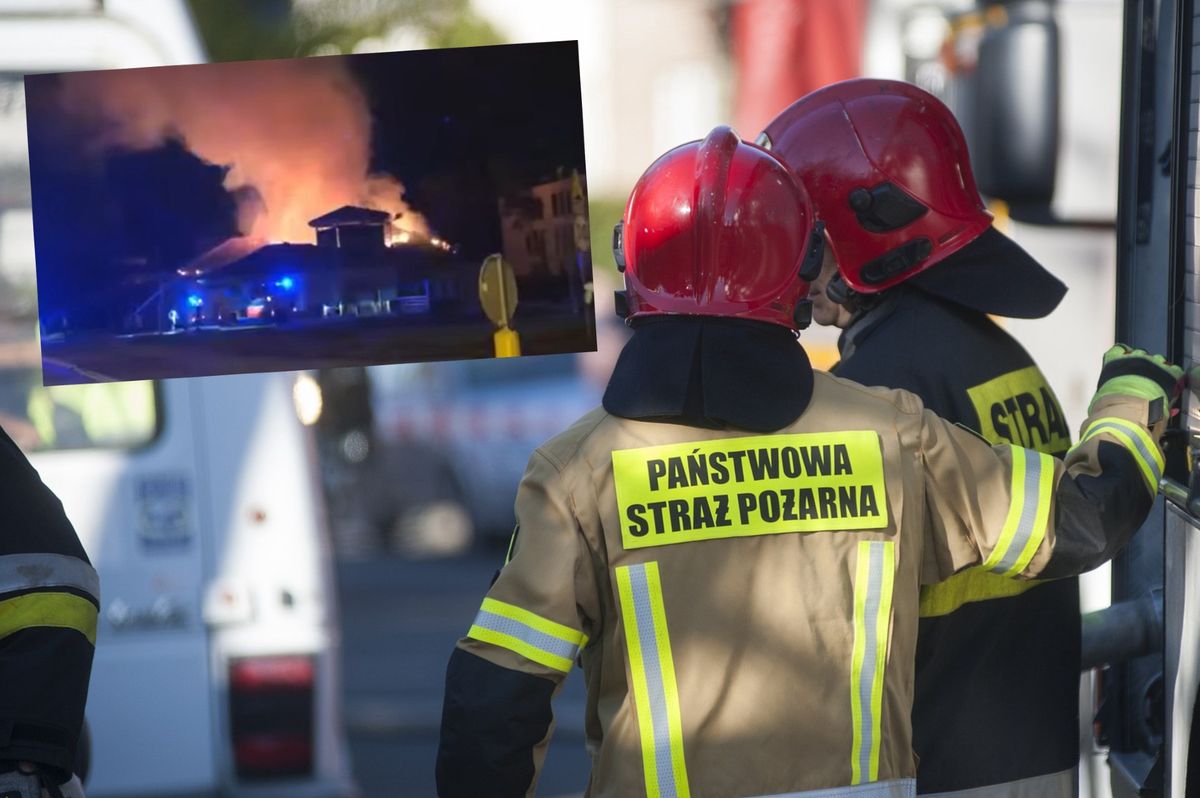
(539, 614)
(49, 602)
(1025, 514)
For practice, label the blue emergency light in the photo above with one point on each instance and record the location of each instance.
(286, 283)
(194, 300)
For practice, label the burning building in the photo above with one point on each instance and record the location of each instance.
(358, 266)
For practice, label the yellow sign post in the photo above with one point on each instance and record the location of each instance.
(498, 296)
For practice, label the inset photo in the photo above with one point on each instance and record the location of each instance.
(310, 213)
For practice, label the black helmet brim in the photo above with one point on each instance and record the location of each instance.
(993, 274)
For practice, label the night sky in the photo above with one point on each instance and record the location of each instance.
(502, 114)
(471, 125)
(460, 128)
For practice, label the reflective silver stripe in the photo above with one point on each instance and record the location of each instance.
(25, 571)
(1029, 511)
(527, 634)
(1052, 785)
(1138, 444)
(867, 678)
(655, 690)
(874, 578)
(894, 788)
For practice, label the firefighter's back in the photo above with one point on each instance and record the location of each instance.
(749, 647)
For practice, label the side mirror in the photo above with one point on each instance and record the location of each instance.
(1013, 127)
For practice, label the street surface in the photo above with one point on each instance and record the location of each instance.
(400, 620)
(95, 357)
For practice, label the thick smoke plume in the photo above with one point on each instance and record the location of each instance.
(296, 134)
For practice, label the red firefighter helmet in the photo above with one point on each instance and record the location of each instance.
(886, 166)
(719, 227)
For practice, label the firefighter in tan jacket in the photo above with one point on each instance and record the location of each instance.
(733, 547)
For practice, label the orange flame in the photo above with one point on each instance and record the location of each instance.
(295, 134)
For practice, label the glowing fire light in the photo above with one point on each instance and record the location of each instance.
(266, 122)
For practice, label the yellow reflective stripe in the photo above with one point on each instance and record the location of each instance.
(544, 625)
(883, 620)
(519, 646)
(536, 638)
(873, 584)
(637, 670)
(1041, 520)
(655, 690)
(1136, 440)
(58, 610)
(1135, 429)
(512, 542)
(973, 584)
(1015, 505)
(1028, 512)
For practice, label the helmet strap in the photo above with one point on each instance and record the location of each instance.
(621, 304)
(838, 291)
(802, 314)
(810, 267)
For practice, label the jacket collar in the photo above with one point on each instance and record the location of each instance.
(711, 372)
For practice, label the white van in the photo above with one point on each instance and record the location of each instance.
(216, 668)
(216, 665)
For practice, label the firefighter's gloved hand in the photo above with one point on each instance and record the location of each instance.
(1134, 372)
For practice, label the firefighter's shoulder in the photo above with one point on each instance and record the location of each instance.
(853, 400)
(567, 445)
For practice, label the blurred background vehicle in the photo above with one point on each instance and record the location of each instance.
(462, 433)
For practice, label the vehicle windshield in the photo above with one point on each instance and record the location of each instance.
(36, 417)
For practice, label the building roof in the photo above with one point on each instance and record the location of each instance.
(351, 215)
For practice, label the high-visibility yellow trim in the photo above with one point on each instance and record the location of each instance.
(536, 638)
(637, 669)
(519, 646)
(1041, 519)
(973, 584)
(670, 685)
(873, 586)
(1015, 505)
(1028, 512)
(654, 684)
(1136, 440)
(512, 544)
(564, 633)
(856, 663)
(883, 622)
(50, 609)
(1137, 430)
